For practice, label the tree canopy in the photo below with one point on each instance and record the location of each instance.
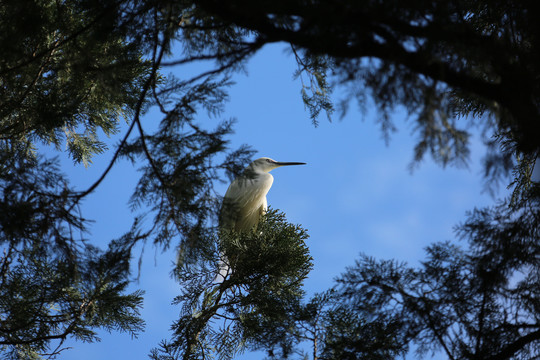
(443, 59)
(70, 70)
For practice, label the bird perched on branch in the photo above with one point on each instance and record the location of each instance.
(245, 201)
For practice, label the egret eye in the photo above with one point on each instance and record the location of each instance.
(268, 160)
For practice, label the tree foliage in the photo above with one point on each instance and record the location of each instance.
(71, 70)
(443, 62)
(477, 302)
(88, 67)
(53, 283)
(223, 317)
(67, 72)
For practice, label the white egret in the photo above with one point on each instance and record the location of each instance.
(245, 202)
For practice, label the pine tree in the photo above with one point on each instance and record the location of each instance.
(224, 317)
(450, 65)
(70, 70)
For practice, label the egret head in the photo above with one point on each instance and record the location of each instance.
(265, 164)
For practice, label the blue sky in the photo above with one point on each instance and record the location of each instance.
(355, 195)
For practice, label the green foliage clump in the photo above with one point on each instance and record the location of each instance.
(221, 317)
(53, 283)
(68, 71)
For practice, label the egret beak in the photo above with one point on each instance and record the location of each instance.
(280, 163)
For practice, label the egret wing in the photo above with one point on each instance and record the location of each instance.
(243, 202)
